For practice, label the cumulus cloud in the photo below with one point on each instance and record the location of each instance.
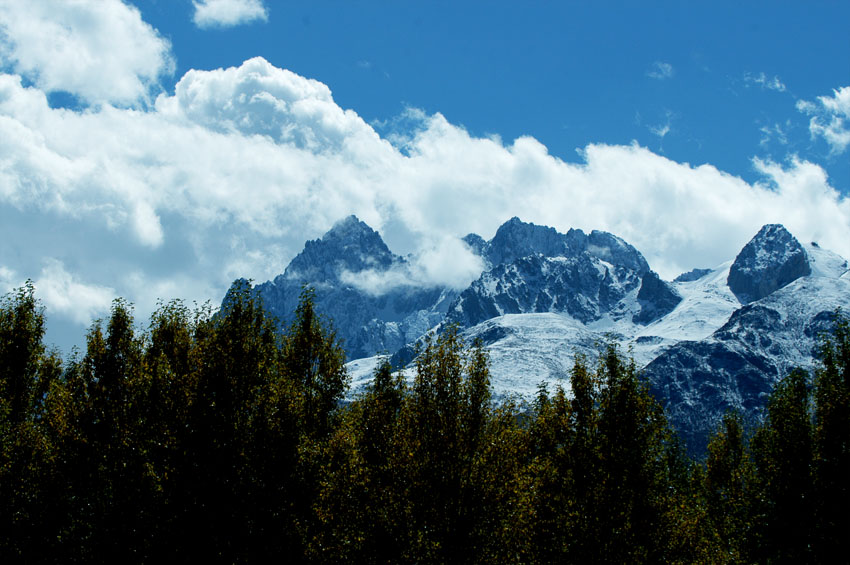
(829, 118)
(660, 70)
(228, 13)
(64, 293)
(98, 50)
(257, 98)
(764, 81)
(229, 175)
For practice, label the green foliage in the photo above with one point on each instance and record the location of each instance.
(832, 444)
(214, 437)
(27, 372)
(603, 469)
(729, 483)
(782, 451)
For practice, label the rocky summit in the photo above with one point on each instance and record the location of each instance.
(771, 260)
(711, 340)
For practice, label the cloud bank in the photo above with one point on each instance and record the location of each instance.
(228, 176)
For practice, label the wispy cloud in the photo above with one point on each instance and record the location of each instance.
(829, 118)
(660, 70)
(776, 132)
(764, 81)
(228, 13)
(663, 129)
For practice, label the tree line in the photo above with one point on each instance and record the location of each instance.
(213, 436)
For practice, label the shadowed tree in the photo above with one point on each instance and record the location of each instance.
(832, 444)
(27, 371)
(782, 451)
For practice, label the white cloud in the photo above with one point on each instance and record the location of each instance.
(764, 81)
(661, 130)
(99, 50)
(660, 70)
(440, 261)
(232, 173)
(829, 118)
(228, 13)
(8, 279)
(776, 132)
(257, 98)
(64, 293)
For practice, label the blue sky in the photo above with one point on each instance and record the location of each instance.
(711, 82)
(161, 148)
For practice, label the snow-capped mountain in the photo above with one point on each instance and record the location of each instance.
(791, 293)
(346, 268)
(536, 269)
(711, 340)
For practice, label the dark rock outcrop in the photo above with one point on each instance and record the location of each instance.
(692, 275)
(656, 299)
(771, 260)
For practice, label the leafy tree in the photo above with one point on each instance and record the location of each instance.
(27, 371)
(360, 505)
(782, 452)
(442, 432)
(314, 360)
(729, 481)
(832, 443)
(633, 479)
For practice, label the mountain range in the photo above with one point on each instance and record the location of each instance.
(711, 340)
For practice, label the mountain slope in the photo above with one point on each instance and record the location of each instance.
(340, 266)
(711, 340)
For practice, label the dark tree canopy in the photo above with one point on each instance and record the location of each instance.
(215, 436)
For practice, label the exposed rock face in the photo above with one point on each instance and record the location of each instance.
(610, 248)
(738, 365)
(545, 295)
(581, 286)
(516, 239)
(771, 260)
(349, 245)
(367, 322)
(692, 275)
(699, 381)
(537, 269)
(656, 299)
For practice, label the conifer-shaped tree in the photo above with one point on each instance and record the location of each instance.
(27, 372)
(832, 444)
(782, 452)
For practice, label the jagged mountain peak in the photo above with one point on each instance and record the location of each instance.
(350, 245)
(616, 250)
(772, 259)
(515, 239)
(348, 226)
(475, 242)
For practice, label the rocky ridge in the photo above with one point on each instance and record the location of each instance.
(711, 340)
